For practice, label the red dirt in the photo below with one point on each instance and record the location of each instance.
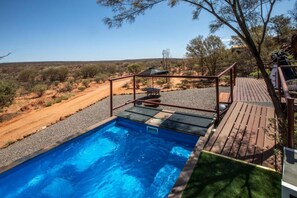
(32, 121)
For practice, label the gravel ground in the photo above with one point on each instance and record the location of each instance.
(199, 98)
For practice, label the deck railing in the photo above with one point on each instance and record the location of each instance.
(282, 85)
(232, 75)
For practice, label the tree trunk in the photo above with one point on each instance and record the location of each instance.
(275, 100)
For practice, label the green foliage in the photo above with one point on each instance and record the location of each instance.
(39, 89)
(88, 71)
(281, 27)
(28, 75)
(58, 100)
(134, 68)
(67, 87)
(8, 143)
(81, 88)
(55, 74)
(255, 74)
(48, 104)
(207, 51)
(86, 82)
(100, 78)
(7, 93)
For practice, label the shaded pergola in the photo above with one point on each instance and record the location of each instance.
(152, 72)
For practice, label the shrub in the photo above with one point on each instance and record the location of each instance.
(66, 96)
(55, 74)
(100, 78)
(48, 104)
(88, 71)
(67, 87)
(134, 68)
(86, 82)
(58, 100)
(7, 93)
(81, 88)
(39, 89)
(255, 74)
(62, 73)
(28, 75)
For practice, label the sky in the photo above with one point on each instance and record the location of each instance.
(73, 30)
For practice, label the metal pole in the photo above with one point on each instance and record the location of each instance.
(134, 88)
(235, 74)
(110, 95)
(290, 115)
(217, 102)
(231, 85)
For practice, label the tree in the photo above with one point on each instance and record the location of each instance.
(280, 26)
(5, 55)
(241, 16)
(208, 51)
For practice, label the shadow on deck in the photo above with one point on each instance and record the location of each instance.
(248, 130)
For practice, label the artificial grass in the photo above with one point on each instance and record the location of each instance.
(215, 176)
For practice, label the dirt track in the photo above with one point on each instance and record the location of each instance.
(30, 122)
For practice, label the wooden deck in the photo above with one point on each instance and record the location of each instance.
(247, 131)
(251, 90)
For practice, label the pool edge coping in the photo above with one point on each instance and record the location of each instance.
(185, 174)
(57, 143)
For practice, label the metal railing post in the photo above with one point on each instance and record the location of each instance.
(134, 89)
(111, 95)
(258, 71)
(290, 117)
(231, 84)
(217, 102)
(278, 83)
(235, 73)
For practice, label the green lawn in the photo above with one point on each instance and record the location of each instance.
(216, 176)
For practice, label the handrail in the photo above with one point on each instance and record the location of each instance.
(176, 76)
(119, 78)
(290, 107)
(226, 70)
(170, 105)
(287, 66)
(283, 83)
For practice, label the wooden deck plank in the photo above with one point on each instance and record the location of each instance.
(251, 90)
(219, 144)
(260, 138)
(253, 138)
(270, 140)
(214, 137)
(234, 131)
(245, 140)
(244, 132)
(241, 133)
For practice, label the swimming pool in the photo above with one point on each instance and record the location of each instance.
(118, 159)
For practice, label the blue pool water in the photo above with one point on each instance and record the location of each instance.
(119, 159)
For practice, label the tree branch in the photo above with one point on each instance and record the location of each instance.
(5, 55)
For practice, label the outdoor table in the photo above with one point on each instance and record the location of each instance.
(150, 91)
